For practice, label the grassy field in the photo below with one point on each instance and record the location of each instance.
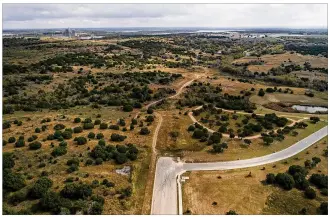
(276, 60)
(235, 190)
(57, 172)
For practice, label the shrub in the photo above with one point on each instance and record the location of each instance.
(114, 127)
(59, 127)
(98, 161)
(285, 180)
(40, 187)
(150, 110)
(297, 169)
(51, 201)
(77, 120)
(18, 196)
(191, 128)
(20, 143)
(300, 181)
(120, 158)
(219, 148)
(67, 134)
(127, 108)
(89, 162)
(63, 144)
(7, 160)
(319, 180)
(12, 181)
(88, 126)
(72, 168)
(76, 191)
(91, 135)
(12, 139)
(59, 151)
(270, 178)
(97, 122)
(103, 126)
(117, 138)
(121, 122)
(99, 136)
(310, 193)
(150, 118)
(324, 208)
(4, 142)
(144, 131)
(324, 191)
(35, 145)
(77, 129)
(6, 125)
(261, 92)
(37, 130)
(81, 140)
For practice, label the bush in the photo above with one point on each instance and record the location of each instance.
(6, 125)
(4, 142)
(88, 126)
(297, 169)
(81, 140)
(99, 136)
(37, 130)
(121, 158)
(324, 191)
(261, 92)
(324, 208)
(35, 145)
(76, 191)
(89, 162)
(144, 131)
(91, 135)
(270, 178)
(150, 110)
(77, 129)
(191, 128)
(117, 138)
(67, 134)
(12, 181)
(285, 180)
(300, 181)
(7, 160)
(103, 126)
(219, 148)
(40, 187)
(12, 139)
(72, 168)
(127, 108)
(63, 144)
(97, 122)
(319, 180)
(51, 201)
(310, 193)
(18, 196)
(59, 151)
(150, 118)
(59, 127)
(77, 120)
(101, 142)
(98, 161)
(114, 127)
(20, 143)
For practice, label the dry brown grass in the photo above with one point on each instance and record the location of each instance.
(233, 190)
(277, 59)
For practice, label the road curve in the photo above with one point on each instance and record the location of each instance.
(165, 192)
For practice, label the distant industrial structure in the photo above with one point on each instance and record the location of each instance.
(69, 33)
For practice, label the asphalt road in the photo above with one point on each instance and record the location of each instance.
(165, 193)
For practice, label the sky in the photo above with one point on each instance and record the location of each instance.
(36, 16)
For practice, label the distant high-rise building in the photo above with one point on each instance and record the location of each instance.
(69, 33)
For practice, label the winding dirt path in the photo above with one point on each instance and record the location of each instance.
(190, 114)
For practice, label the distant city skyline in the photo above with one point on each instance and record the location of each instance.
(47, 16)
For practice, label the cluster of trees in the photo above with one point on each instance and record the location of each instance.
(203, 93)
(311, 49)
(129, 90)
(296, 177)
(119, 153)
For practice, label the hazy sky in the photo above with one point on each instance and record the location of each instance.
(163, 15)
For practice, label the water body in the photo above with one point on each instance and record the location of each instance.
(310, 109)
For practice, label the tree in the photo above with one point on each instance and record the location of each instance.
(7, 160)
(117, 137)
(12, 181)
(35, 145)
(285, 180)
(150, 110)
(319, 180)
(267, 140)
(99, 136)
(121, 158)
(59, 127)
(150, 118)
(88, 126)
(300, 181)
(294, 169)
(59, 151)
(103, 126)
(261, 92)
(310, 193)
(314, 119)
(191, 128)
(127, 108)
(20, 143)
(37, 130)
(40, 187)
(76, 191)
(270, 178)
(81, 140)
(77, 120)
(219, 148)
(77, 129)
(12, 139)
(144, 131)
(91, 135)
(51, 201)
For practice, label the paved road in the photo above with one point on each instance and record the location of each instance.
(165, 193)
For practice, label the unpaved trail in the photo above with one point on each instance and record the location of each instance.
(190, 114)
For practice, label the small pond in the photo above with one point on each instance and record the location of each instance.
(310, 109)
